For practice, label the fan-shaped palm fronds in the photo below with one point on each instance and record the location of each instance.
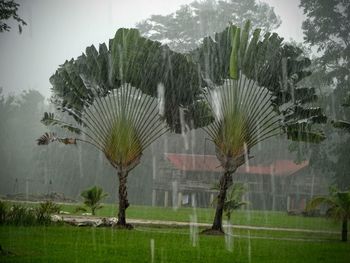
(121, 124)
(244, 117)
(338, 207)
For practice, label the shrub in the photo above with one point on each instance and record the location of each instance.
(93, 197)
(3, 212)
(44, 211)
(19, 215)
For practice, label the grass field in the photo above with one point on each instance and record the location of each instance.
(72, 244)
(205, 215)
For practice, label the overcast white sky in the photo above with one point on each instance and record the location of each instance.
(60, 30)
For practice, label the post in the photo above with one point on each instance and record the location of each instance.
(211, 200)
(193, 200)
(288, 203)
(166, 198)
(179, 199)
(154, 193)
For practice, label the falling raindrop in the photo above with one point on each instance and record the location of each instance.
(152, 250)
(246, 157)
(174, 194)
(161, 99)
(228, 229)
(193, 222)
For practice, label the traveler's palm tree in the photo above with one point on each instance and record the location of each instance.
(338, 207)
(93, 197)
(243, 117)
(248, 106)
(121, 125)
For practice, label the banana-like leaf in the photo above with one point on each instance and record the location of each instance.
(132, 59)
(234, 69)
(301, 131)
(47, 138)
(49, 120)
(345, 125)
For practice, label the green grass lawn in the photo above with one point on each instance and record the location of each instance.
(205, 215)
(73, 244)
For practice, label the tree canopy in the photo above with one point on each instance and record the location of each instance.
(8, 10)
(152, 67)
(327, 28)
(184, 29)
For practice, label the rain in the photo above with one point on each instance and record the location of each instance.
(174, 131)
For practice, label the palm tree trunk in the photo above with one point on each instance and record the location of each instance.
(123, 198)
(344, 232)
(225, 182)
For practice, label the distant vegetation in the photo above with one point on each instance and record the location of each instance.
(21, 215)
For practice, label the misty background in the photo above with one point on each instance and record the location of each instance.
(61, 30)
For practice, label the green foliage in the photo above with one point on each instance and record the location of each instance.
(243, 117)
(93, 197)
(8, 10)
(49, 120)
(131, 59)
(337, 203)
(44, 211)
(338, 207)
(3, 212)
(21, 216)
(271, 64)
(27, 216)
(233, 199)
(326, 28)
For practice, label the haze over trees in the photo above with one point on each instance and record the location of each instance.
(184, 29)
(327, 28)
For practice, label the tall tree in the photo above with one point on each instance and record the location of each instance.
(260, 99)
(179, 81)
(327, 28)
(8, 10)
(184, 29)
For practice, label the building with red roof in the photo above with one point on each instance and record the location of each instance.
(188, 179)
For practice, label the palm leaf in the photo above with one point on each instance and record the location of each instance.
(47, 138)
(243, 117)
(49, 120)
(345, 125)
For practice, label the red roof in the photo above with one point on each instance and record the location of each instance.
(209, 163)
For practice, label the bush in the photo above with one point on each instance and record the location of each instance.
(44, 211)
(93, 197)
(3, 212)
(21, 216)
